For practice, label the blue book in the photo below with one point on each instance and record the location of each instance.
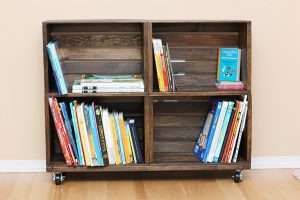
(211, 132)
(95, 135)
(69, 129)
(118, 129)
(57, 67)
(53, 68)
(223, 131)
(136, 141)
(77, 136)
(229, 60)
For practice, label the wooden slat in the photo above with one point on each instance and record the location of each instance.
(197, 40)
(190, 133)
(102, 67)
(100, 39)
(70, 53)
(181, 108)
(178, 121)
(195, 80)
(175, 158)
(202, 66)
(173, 147)
(196, 27)
(194, 54)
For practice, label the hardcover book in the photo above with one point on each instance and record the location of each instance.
(229, 64)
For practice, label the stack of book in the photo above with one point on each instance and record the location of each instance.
(93, 136)
(228, 73)
(221, 134)
(119, 83)
(61, 84)
(163, 65)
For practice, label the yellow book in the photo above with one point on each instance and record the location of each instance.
(115, 139)
(83, 134)
(125, 140)
(158, 64)
(128, 133)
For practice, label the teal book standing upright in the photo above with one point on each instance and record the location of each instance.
(229, 60)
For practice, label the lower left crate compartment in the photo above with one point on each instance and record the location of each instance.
(95, 131)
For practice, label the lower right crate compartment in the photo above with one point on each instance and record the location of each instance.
(178, 122)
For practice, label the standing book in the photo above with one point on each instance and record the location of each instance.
(136, 141)
(119, 135)
(229, 60)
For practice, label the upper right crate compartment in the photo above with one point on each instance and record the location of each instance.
(193, 48)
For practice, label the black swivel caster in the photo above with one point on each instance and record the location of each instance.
(237, 176)
(59, 177)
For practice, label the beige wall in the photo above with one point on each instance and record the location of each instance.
(276, 67)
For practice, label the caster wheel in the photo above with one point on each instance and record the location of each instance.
(59, 177)
(237, 176)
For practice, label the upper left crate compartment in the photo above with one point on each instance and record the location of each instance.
(95, 48)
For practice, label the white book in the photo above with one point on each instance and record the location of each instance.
(237, 129)
(108, 137)
(217, 132)
(106, 90)
(243, 122)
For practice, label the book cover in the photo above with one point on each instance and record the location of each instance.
(117, 150)
(53, 66)
(223, 131)
(94, 161)
(69, 129)
(164, 67)
(119, 135)
(229, 64)
(158, 65)
(136, 140)
(217, 133)
(128, 133)
(103, 143)
(173, 89)
(56, 65)
(95, 134)
(73, 104)
(211, 132)
(58, 127)
(125, 139)
(108, 136)
(83, 135)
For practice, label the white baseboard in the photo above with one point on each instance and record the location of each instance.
(22, 165)
(259, 162)
(275, 162)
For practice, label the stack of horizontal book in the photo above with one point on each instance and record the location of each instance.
(93, 136)
(98, 83)
(221, 134)
(164, 69)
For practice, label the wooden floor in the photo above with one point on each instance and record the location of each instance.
(257, 184)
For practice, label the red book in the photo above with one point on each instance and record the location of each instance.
(74, 160)
(164, 70)
(59, 130)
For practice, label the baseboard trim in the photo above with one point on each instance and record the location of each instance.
(258, 162)
(275, 162)
(22, 165)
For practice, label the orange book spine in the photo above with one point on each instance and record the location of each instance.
(125, 141)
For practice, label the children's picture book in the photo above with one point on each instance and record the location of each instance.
(229, 60)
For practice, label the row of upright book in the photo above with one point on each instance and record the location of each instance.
(93, 136)
(221, 134)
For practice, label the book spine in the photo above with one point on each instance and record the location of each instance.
(171, 69)
(98, 90)
(223, 131)
(164, 70)
(108, 136)
(211, 132)
(76, 131)
(158, 65)
(215, 139)
(120, 140)
(60, 76)
(113, 85)
(117, 149)
(59, 131)
(126, 145)
(53, 66)
(243, 121)
(101, 135)
(69, 129)
(131, 141)
(135, 136)
(231, 87)
(94, 161)
(95, 135)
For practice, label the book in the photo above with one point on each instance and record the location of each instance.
(96, 90)
(125, 139)
(171, 68)
(158, 64)
(226, 85)
(117, 150)
(103, 142)
(223, 131)
(119, 135)
(56, 67)
(69, 129)
(108, 136)
(58, 126)
(217, 131)
(73, 105)
(229, 64)
(128, 133)
(136, 141)
(163, 64)
(84, 135)
(94, 161)
(216, 112)
(96, 138)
